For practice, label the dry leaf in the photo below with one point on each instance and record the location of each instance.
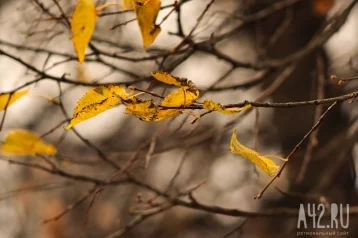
(212, 106)
(167, 78)
(24, 142)
(82, 26)
(96, 101)
(264, 163)
(147, 12)
(4, 98)
(184, 96)
(148, 111)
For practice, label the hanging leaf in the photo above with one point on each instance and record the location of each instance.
(24, 142)
(4, 98)
(264, 163)
(82, 26)
(212, 106)
(96, 101)
(147, 12)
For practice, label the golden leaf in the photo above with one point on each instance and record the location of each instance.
(167, 78)
(4, 98)
(148, 111)
(82, 26)
(147, 12)
(96, 101)
(212, 106)
(24, 142)
(184, 96)
(264, 163)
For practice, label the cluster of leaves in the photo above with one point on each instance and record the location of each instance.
(102, 98)
(84, 20)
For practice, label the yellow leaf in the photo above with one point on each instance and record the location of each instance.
(147, 111)
(264, 163)
(24, 142)
(82, 26)
(167, 78)
(96, 101)
(212, 106)
(184, 96)
(166, 113)
(147, 12)
(4, 98)
(144, 110)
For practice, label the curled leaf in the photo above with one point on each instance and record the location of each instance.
(212, 106)
(24, 142)
(96, 101)
(4, 98)
(147, 12)
(264, 163)
(167, 78)
(82, 26)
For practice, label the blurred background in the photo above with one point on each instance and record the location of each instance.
(257, 50)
